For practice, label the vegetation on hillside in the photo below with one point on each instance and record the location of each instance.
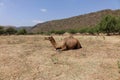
(74, 23)
(109, 25)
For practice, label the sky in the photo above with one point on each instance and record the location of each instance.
(30, 12)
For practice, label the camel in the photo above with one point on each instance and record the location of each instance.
(67, 44)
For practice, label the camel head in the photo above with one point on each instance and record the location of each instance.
(52, 40)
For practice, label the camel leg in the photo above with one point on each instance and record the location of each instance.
(58, 48)
(63, 48)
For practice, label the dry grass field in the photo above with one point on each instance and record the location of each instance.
(33, 58)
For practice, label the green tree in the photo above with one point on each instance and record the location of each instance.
(107, 24)
(22, 32)
(10, 30)
(117, 28)
(1, 30)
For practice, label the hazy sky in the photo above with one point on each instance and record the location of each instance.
(31, 12)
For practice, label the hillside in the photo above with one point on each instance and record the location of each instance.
(86, 20)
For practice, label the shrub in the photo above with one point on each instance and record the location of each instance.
(57, 31)
(118, 63)
(53, 31)
(107, 24)
(1, 30)
(60, 32)
(83, 30)
(91, 31)
(22, 32)
(10, 31)
(73, 31)
(117, 28)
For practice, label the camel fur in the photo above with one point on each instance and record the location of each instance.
(68, 43)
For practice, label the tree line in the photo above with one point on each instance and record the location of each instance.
(12, 31)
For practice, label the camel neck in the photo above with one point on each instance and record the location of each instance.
(53, 42)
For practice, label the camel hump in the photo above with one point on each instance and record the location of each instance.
(70, 36)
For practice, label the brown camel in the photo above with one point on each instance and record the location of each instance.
(68, 43)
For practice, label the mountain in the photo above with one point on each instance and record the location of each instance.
(76, 22)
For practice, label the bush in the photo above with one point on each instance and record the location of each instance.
(83, 30)
(53, 31)
(60, 32)
(72, 31)
(1, 30)
(107, 24)
(57, 32)
(22, 32)
(91, 31)
(10, 31)
(117, 28)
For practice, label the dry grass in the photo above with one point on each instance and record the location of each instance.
(33, 58)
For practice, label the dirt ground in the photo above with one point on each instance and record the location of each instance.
(31, 57)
